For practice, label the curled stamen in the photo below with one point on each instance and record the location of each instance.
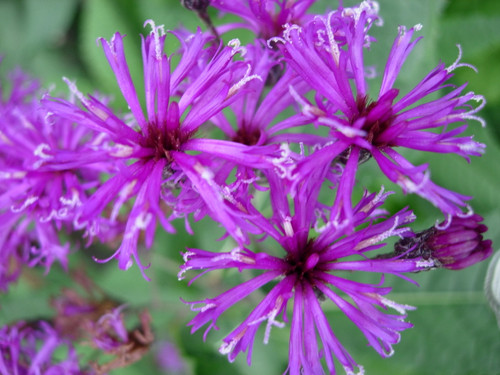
(235, 44)
(288, 30)
(470, 115)
(242, 82)
(469, 213)
(458, 64)
(40, 151)
(445, 225)
(275, 39)
(29, 201)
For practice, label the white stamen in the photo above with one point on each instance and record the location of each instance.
(121, 151)
(458, 64)
(287, 226)
(396, 306)
(346, 130)
(235, 255)
(348, 370)
(129, 264)
(123, 195)
(235, 44)
(284, 171)
(74, 90)
(271, 319)
(429, 263)
(470, 115)
(306, 108)
(242, 82)
(157, 32)
(142, 220)
(12, 175)
(275, 39)
(469, 213)
(288, 28)
(334, 48)
(40, 151)
(381, 237)
(29, 201)
(187, 255)
(73, 201)
(409, 186)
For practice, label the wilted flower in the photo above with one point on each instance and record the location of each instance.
(37, 348)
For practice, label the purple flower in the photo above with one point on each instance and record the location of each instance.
(31, 349)
(164, 175)
(265, 18)
(311, 271)
(43, 180)
(252, 120)
(454, 245)
(170, 359)
(328, 54)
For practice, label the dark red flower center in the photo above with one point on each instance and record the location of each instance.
(304, 263)
(378, 116)
(247, 136)
(164, 142)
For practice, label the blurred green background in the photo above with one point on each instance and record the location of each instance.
(455, 331)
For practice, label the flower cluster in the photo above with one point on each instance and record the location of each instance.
(223, 127)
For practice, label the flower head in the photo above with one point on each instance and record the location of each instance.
(328, 54)
(163, 175)
(310, 271)
(44, 181)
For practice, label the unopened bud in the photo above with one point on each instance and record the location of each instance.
(196, 5)
(458, 246)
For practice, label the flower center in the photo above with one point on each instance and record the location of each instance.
(247, 136)
(164, 142)
(378, 116)
(304, 263)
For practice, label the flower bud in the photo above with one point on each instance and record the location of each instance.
(196, 5)
(459, 245)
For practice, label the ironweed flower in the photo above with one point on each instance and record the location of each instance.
(44, 181)
(328, 54)
(252, 114)
(311, 271)
(37, 349)
(454, 245)
(163, 172)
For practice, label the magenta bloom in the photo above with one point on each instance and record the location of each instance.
(253, 117)
(310, 271)
(328, 54)
(43, 180)
(36, 349)
(172, 172)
